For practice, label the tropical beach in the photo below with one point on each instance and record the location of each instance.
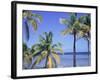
(56, 39)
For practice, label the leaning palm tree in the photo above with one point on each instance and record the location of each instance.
(72, 27)
(30, 18)
(47, 51)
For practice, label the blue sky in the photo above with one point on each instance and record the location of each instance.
(51, 22)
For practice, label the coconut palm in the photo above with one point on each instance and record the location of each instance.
(85, 28)
(47, 51)
(30, 18)
(72, 27)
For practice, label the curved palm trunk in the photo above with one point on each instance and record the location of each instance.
(74, 50)
(27, 30)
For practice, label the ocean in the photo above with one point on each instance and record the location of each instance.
(81, 60)
(66, 60)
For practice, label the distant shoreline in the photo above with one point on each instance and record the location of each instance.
(67, 53)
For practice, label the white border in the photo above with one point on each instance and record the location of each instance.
(35, 72)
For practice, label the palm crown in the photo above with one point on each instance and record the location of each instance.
(46, 50)
(31, 19)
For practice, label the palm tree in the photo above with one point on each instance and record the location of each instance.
(85, 30)
(30, 18)
(27, 57)
(72, 27)
(47, 51)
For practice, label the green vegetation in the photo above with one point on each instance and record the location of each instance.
(76, 27)
(27, 56)
(85, 29)
(31, 19)
(45, 50)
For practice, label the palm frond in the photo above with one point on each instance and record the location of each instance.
(27, 57)
(37, 16)
(42, 39)
(76, 25)
(57, 45)
(54, 63)
(44, 53)
(58, 49)
(36, 53)
(85, 20)
(37, 61)
(50, 35)
(80, 35)
(46, 35)
(24, 14)
(39, 58)
(24, 47)
(34, 24)
(56, 57)
(73, 18)
(63, 21)
(54, 45)
(66, 31)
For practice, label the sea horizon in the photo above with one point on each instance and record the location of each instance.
(68, 53)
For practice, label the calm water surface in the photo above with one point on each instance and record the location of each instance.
(67, 61)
